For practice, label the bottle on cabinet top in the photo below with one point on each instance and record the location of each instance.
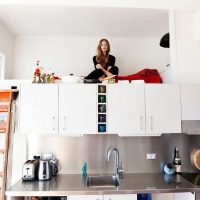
(177, 161)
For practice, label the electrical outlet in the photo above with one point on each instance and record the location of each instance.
(151, 156)
(47, 156)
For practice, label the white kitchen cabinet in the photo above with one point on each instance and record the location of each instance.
(163, 108)
(71, 109)
(190, 102)
(163, 196)
(39, 109)
(77, 109)
(85, 197)
(174, 196)
(152, 109)
(126, 109)
(184, 196)
(121, 197)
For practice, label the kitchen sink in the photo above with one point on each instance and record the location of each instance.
(102, 181)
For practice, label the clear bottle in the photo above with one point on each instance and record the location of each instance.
(177, 161)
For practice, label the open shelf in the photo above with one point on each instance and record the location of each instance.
(2, 130)
(6, 97)
(4, 109)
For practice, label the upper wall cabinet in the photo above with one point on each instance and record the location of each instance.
(71, 109)
(150, 109)
(190, 101)
(77, 109)
(163, 108)
(39, 109)
(126, 109)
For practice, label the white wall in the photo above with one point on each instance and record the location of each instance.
(188, 50)
(6, 47)
(74, 54)
(19, 156)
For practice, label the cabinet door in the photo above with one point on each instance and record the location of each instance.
(163, 196)
(85, 197)
(163, 109)
(121, 197)
(190, 102)
(39, 109)
(184, 196)
(126, 109)
(77, 109)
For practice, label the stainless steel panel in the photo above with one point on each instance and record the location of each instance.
(191, 127)
(74, 151)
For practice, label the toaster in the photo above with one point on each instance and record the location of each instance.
(30, 170)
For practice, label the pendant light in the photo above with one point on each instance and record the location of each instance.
(164, 42)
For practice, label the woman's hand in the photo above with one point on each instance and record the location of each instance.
(101, 78)
(109, 68)
(98, 66)
(106, 72)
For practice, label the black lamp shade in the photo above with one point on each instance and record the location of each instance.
(164, 42)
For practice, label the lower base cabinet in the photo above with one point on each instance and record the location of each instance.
(86, 197)
(162, 196)
(174, 196)
(184, 196)
(120, 197)
(104, 197)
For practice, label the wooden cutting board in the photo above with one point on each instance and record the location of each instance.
(196, 158)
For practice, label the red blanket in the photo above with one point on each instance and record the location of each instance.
(148, 75)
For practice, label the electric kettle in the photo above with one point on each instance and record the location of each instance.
(44, 172)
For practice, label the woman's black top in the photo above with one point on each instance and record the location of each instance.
(111, 61)
(97, 73)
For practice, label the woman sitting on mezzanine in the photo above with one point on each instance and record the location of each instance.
(104, 63)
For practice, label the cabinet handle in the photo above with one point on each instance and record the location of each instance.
(64, 122)
(141, 122)
(53, 123)
(151, 122)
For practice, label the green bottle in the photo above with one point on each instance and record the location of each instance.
(84, 169)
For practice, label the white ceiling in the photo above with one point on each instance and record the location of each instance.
(160, 4)
(85, 21)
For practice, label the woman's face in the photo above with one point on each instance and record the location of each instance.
(104, 46)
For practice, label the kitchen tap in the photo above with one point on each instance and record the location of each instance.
(117, 169)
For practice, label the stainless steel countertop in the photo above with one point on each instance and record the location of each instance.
(74, 184)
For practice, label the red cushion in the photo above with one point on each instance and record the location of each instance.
(148, 75)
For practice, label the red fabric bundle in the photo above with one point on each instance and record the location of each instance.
(148, 75)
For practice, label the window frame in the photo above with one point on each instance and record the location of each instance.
(2, 68)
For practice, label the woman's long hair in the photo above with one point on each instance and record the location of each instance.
(100, 57)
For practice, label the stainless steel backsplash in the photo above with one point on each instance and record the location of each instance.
(72, 152)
